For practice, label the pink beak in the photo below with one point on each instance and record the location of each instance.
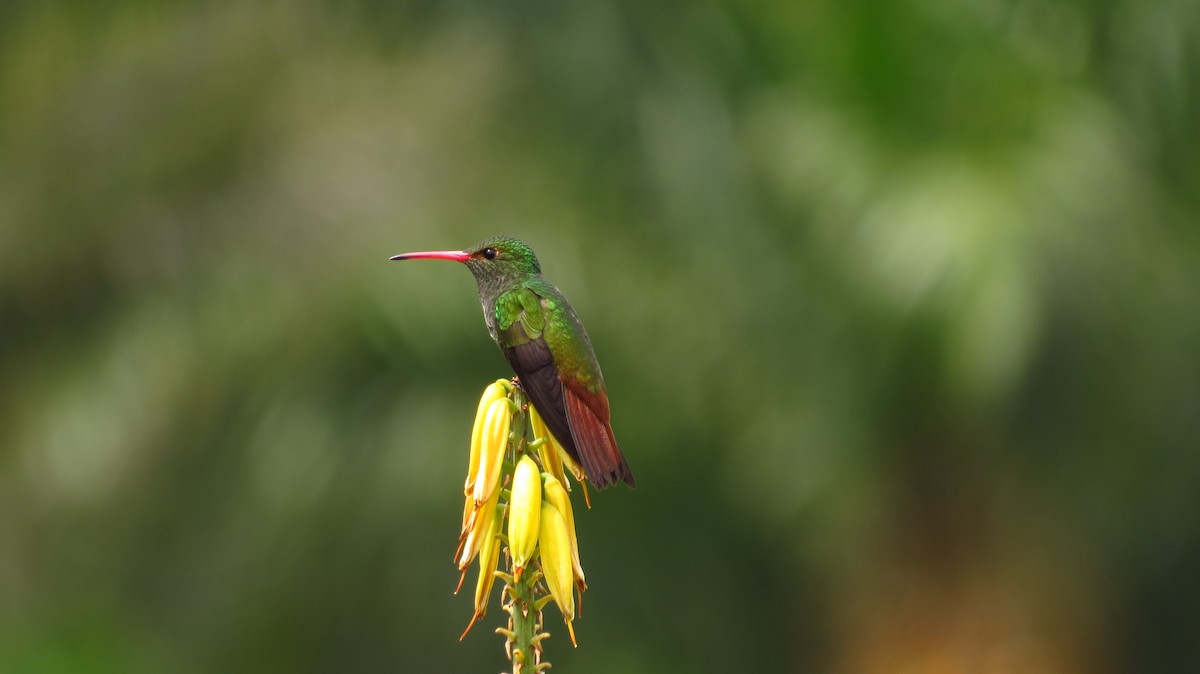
(456, 255)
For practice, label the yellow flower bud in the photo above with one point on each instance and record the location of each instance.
(555, 546)
(524, 513)
(492, 446)
(496, 390)
(553, 492)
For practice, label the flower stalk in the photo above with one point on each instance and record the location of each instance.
(517, 508)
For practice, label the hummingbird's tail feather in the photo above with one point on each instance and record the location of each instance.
(594, 440)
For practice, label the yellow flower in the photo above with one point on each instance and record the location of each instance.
(489, 557)
(487, 458)
(553, 492)
(554, 457)
(555, 549)
(481, 520)
(524, 513)
(549, 451)
(495, 391)
(492, 445)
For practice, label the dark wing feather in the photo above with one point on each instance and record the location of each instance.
(534, 364)
(577, 418)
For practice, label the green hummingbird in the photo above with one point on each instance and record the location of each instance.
(546, 345)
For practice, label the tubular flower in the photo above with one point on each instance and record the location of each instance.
(487, 459)
(475, 536)
(571, 465)
(554, 457)
(557, 566)
(495, 391)
(553, 492)
(524, 515)
(559, 456)
(489, 557)
(550, 452)
(491, 451)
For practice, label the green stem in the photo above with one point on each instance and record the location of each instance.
(524, 649)
(520, 424)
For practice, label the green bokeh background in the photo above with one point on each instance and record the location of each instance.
(897, 304)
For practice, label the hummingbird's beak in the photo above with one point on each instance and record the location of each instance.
(456, 255)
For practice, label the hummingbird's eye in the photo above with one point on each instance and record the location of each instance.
(489, 253)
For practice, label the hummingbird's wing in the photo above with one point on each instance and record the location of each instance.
(577, 415)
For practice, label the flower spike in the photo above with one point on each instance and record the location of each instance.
(517, 507)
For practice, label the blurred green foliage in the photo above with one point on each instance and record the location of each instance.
(897, 304)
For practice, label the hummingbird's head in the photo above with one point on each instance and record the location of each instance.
(504, 257)
(497, 263)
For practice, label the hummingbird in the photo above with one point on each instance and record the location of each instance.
(543, 340)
